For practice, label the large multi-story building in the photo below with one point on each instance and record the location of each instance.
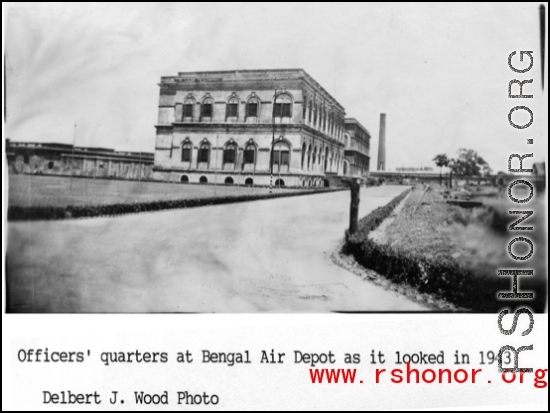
(237, 126)
(357, 159)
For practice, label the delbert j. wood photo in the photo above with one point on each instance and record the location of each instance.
(275, 158)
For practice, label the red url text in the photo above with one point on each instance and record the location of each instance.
(412, 375)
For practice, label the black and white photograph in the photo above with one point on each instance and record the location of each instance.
(342, 159)
(189, 170)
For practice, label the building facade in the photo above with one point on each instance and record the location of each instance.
(61, 159)
(357, 149)
(235, 127)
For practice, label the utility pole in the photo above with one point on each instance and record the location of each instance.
(354, 206)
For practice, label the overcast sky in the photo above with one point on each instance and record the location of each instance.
(439, 71)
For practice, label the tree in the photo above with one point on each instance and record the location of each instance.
(441, 161)
(469, 163)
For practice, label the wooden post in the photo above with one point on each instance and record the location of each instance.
(354, 206)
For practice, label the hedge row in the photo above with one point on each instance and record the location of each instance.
(445, 279)
(18, 213)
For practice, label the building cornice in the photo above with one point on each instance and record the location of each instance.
(184, 80)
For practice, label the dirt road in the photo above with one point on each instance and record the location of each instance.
(263, 256)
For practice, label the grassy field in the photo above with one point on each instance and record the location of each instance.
(429, 229)
(32, 190)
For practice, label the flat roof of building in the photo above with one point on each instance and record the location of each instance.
(68, 147)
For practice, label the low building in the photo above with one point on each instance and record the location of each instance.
(63, 159)
(242, 127)
(357, 150)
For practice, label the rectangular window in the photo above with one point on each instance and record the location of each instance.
(229, 156)
(206, 110)
(232, 110)
(186, 155)
(252, 110)
(282, 109)
(277, 110)
(203, 155)
(286, 110)
(282, 157)
(249, 156)
(188, 110)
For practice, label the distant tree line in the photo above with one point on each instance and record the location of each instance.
(468, 163)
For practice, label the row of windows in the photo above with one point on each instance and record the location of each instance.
(282, 108)
(281, 153)
(316, 115)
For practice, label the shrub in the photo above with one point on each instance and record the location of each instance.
(443, 278)
(18, 213)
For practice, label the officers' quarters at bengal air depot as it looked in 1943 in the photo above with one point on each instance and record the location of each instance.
(224, 127)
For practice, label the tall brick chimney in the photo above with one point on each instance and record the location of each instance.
(382, 144)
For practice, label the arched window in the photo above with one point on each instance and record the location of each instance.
(304, 108)
(229, 181)
(232, 108)
(303, 154)
(326, 158)
(279, 182)
(186, 149)
(203, 180)
(204, 152)
(207, 108)
(309, 157)
(230, 153)
(249, 181)
(310, 110)
(184, 179)
(283, 106)
(188, 108)
(253, 107)
(281, 154)
(249, 154)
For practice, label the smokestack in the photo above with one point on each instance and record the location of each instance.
(382, 144)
